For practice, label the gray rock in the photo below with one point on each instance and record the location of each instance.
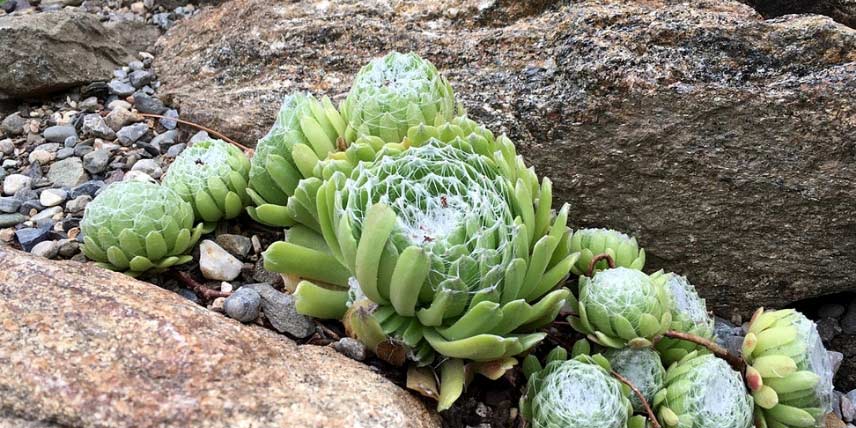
(46, 249)
(243, 305)
(7, 147)
(848, 408)
(78, 204)
(163, 141)
(120, 117)
(67, 173)
(82, 150)
(148, 104)
(7, 220)
(280, 311)
(215, 263)
(169, 123)
(148, 167)
(59, 133)
(52, 197)
(175, 150)
(64, 153)
(90, 188)
(46, 215)
(9, 204)
(664, 134)
(13, 124)
(96, 162)
(848, 322)
(68, 247)
(131, 133)
(828, 328)
(136, 65)
(120, 88)
(197, 137)
(140, 78)
(89, 105)
(70, 142)
(93, 124)
(261, 274)
(351, 348)
(238, 245)
(15, 182)
(50, 52)
(830, 310)
(28, 237)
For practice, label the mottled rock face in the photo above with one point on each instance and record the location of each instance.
(723, 141)
(49, 52)
(82, 346)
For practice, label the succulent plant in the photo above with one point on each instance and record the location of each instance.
(642, 367)
(135, 226)
(624, 250)
(689, 315)
(702, 391)
(451, 241)
(621, 307)
(391, 94)
(788, 370)
(577, 393)
(306, 131)
(211, 175)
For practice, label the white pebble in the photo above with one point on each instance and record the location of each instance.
(52, 197)
(216, 263)
(15, 182)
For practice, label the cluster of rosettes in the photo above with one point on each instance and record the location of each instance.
(434, 243)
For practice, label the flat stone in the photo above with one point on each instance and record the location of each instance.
(169, 123)
(41, 156)
(90, 188)
(93, 124)
(237, 245)
(279, 309)
(148, 166)
(59, 133)
(130, 134)
(9, 204)
(12, 219)
(215, 263)
(98, 332)
(175, 150)
(64, 153)
(96, 161)
(46, 214)
(15, 182)
(89, 105)
(112, 105)
(52, 197)
(67, 173)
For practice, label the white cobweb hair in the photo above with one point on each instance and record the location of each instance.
(448, 201)
(574, 394)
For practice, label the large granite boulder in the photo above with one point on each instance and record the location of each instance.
(52, 51)
(84, 347)
(725, 142)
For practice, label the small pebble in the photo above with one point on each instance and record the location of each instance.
(216, 263)
(9, 204)
(175, 150)
(243, 305)
(15, 182)
(237, 245)
(217, 304)
(130, 134)
(149, 167)
(226, 287)
(7, 147)
(280, 310)
(12, 219)
(138, 176)
(46, 249)
(40, 156)
(59, 133)
(351, 348)
(96, 162)
(52, 197)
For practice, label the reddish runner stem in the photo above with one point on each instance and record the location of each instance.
(651, 417)
(200, 290)
(736, 362)
(198, 126)
(594, 261)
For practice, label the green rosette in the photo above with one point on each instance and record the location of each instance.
(135, 226)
